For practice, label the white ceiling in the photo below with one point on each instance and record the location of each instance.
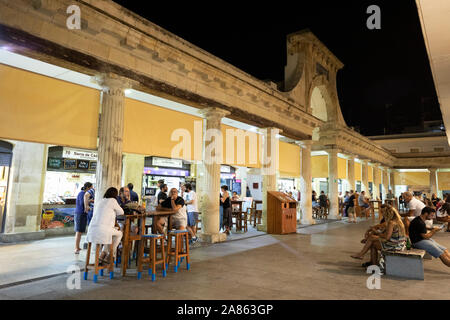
(435, 20)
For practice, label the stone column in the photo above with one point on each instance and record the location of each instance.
(385, 182)
(364, 176)
(333, 195)
(376, 181)
(26, 187)
(110, 133)
(269, 160)
(351, 172)
(305, 183)
(391, 180)
(433, 181)
(210, 179)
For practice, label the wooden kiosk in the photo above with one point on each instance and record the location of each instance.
(281, 213)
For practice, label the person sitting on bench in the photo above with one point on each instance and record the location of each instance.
(375, 230)
(415, 207)
(363, 203)
(393, 238)
(442, 215)
(421, 239)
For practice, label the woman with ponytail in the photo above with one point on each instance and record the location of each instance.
(393, 238)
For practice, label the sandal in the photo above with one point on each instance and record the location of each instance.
(356, 257)
(77, 251)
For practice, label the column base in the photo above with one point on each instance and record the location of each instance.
(308, 221)
(213, 237)
(261, 227)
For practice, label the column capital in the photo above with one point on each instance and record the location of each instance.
(432, 170)
(268, 129)
(375, 164)
(304, 143)
(112, 83)
(332, 151)
(214, 113)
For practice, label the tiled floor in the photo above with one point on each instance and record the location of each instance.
(315, 263)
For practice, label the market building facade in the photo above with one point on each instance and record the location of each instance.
(110, 103)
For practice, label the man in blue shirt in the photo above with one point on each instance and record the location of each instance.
(133, 195)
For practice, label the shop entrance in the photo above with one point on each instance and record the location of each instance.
(5, 166)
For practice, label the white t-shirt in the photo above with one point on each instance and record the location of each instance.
(188, 196)
(416, 205)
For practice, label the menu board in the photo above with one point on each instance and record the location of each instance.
(93, 165)
(54, 163)
(83, 164)
(70, 164)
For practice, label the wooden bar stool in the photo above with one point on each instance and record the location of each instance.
(95, 266)
(242, 221)
(151, 259)
(180, 249)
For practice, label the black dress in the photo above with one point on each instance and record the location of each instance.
(227, 215)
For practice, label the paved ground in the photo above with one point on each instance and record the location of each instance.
(313, 264)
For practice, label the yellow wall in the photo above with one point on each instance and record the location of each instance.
(289, 163)
(342, 168)
(249, 149)
(319, 166)
(369, 173)
(37, 108)
(412, 178)
(357, 171)
(443, 180)
(148, 130)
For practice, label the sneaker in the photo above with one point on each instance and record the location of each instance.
(194, 240)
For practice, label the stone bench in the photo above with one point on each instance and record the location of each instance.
(405, 264)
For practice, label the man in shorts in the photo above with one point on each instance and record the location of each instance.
(421, 238)
(363, 203)
(190, 198)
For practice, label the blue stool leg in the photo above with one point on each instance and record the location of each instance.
(111, 274)
(164, 273)
(95, 278)
(85, 275)
(139, 275)
(188, 266)
(153, 277)
(101, 272)
(150, 272)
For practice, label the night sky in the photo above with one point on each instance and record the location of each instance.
(386, 83)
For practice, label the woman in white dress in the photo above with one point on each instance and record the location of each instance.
(103, 228)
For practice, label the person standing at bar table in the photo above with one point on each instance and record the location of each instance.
(81, 214)
(192, 211)
(160, 222)
(133, 195)
(103, 228)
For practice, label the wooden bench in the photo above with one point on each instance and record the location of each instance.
(404, 264)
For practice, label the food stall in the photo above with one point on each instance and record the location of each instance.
(174, 172)
(68, 170)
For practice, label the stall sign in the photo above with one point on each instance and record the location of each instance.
(93, 165)
(226, 169)
(165, 162)
(83, 164)
(70, 164)
(79, 154)
(54, 163)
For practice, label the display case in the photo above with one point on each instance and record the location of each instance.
(281, 213)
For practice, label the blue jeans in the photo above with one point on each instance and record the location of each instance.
(430, 246)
